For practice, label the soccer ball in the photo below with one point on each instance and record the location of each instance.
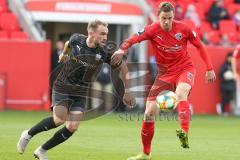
(166, 100)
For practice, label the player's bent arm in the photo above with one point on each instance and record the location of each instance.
(203, 52)
(142, 35)
(128, 98)
(126, 44)
(64, 55)
(66, 48)
(123, 73)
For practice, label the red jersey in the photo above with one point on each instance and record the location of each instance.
(170, 48)
(236, 52)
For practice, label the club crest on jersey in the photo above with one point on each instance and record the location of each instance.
(178, 36)
(98, 56)
(141, 31)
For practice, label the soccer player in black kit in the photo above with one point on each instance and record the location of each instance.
(81, 66)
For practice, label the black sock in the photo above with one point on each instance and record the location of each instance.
(59, 137)
(45, 125)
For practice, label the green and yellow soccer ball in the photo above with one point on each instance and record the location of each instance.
(166, 100)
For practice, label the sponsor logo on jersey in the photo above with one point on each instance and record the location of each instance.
(178, 36)
(98, 56)
(170, 49)
(79, 48)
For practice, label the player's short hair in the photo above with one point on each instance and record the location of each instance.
(92, 25)
(165, 7)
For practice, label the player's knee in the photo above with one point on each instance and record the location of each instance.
(60, 115)
(72, 126)
(150, 106)
(182, 94)
(59, 120)
(149, 117)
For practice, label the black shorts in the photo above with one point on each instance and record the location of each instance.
(72, 102)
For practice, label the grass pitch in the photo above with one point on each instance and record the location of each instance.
(117, 136)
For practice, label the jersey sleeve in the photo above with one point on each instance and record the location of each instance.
(195, 40)
(141, 35)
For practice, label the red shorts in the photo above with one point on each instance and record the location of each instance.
(169, 81)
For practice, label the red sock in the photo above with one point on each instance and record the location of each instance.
(184, 115)
(147, 135)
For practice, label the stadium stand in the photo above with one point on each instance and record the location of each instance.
(9, 25)
(202, 6)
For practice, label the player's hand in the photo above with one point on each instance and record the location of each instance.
(129, 100)
(117, 57)
(210, 76)
(63, 58)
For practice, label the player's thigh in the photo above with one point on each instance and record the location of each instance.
(60, 104)
(73, 121)
(60, 114)
(182, 91)
(75, 112)
(157, 87)
(185, 83)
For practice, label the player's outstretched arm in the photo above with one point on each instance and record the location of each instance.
(63, 57)
(128, 98)
(144, 34)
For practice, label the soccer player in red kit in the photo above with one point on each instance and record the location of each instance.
(169, 39)
(236, 56)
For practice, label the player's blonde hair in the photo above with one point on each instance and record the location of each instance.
(165, 7)
(92, 25)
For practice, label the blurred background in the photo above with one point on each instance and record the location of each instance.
(32, 33)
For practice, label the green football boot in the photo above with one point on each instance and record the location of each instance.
(183, 137)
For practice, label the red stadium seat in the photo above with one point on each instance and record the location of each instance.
(214, 36)
(227, 26)
(186, 1)
(207, 4)
(232, 8)
(189, 23)
(233, 37)
(3, 34)
(228, 2)
(183, 5)
(3, 6)
(205, 27)
(18, 35)
(8, 21)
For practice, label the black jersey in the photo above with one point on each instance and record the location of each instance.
(83, 66)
